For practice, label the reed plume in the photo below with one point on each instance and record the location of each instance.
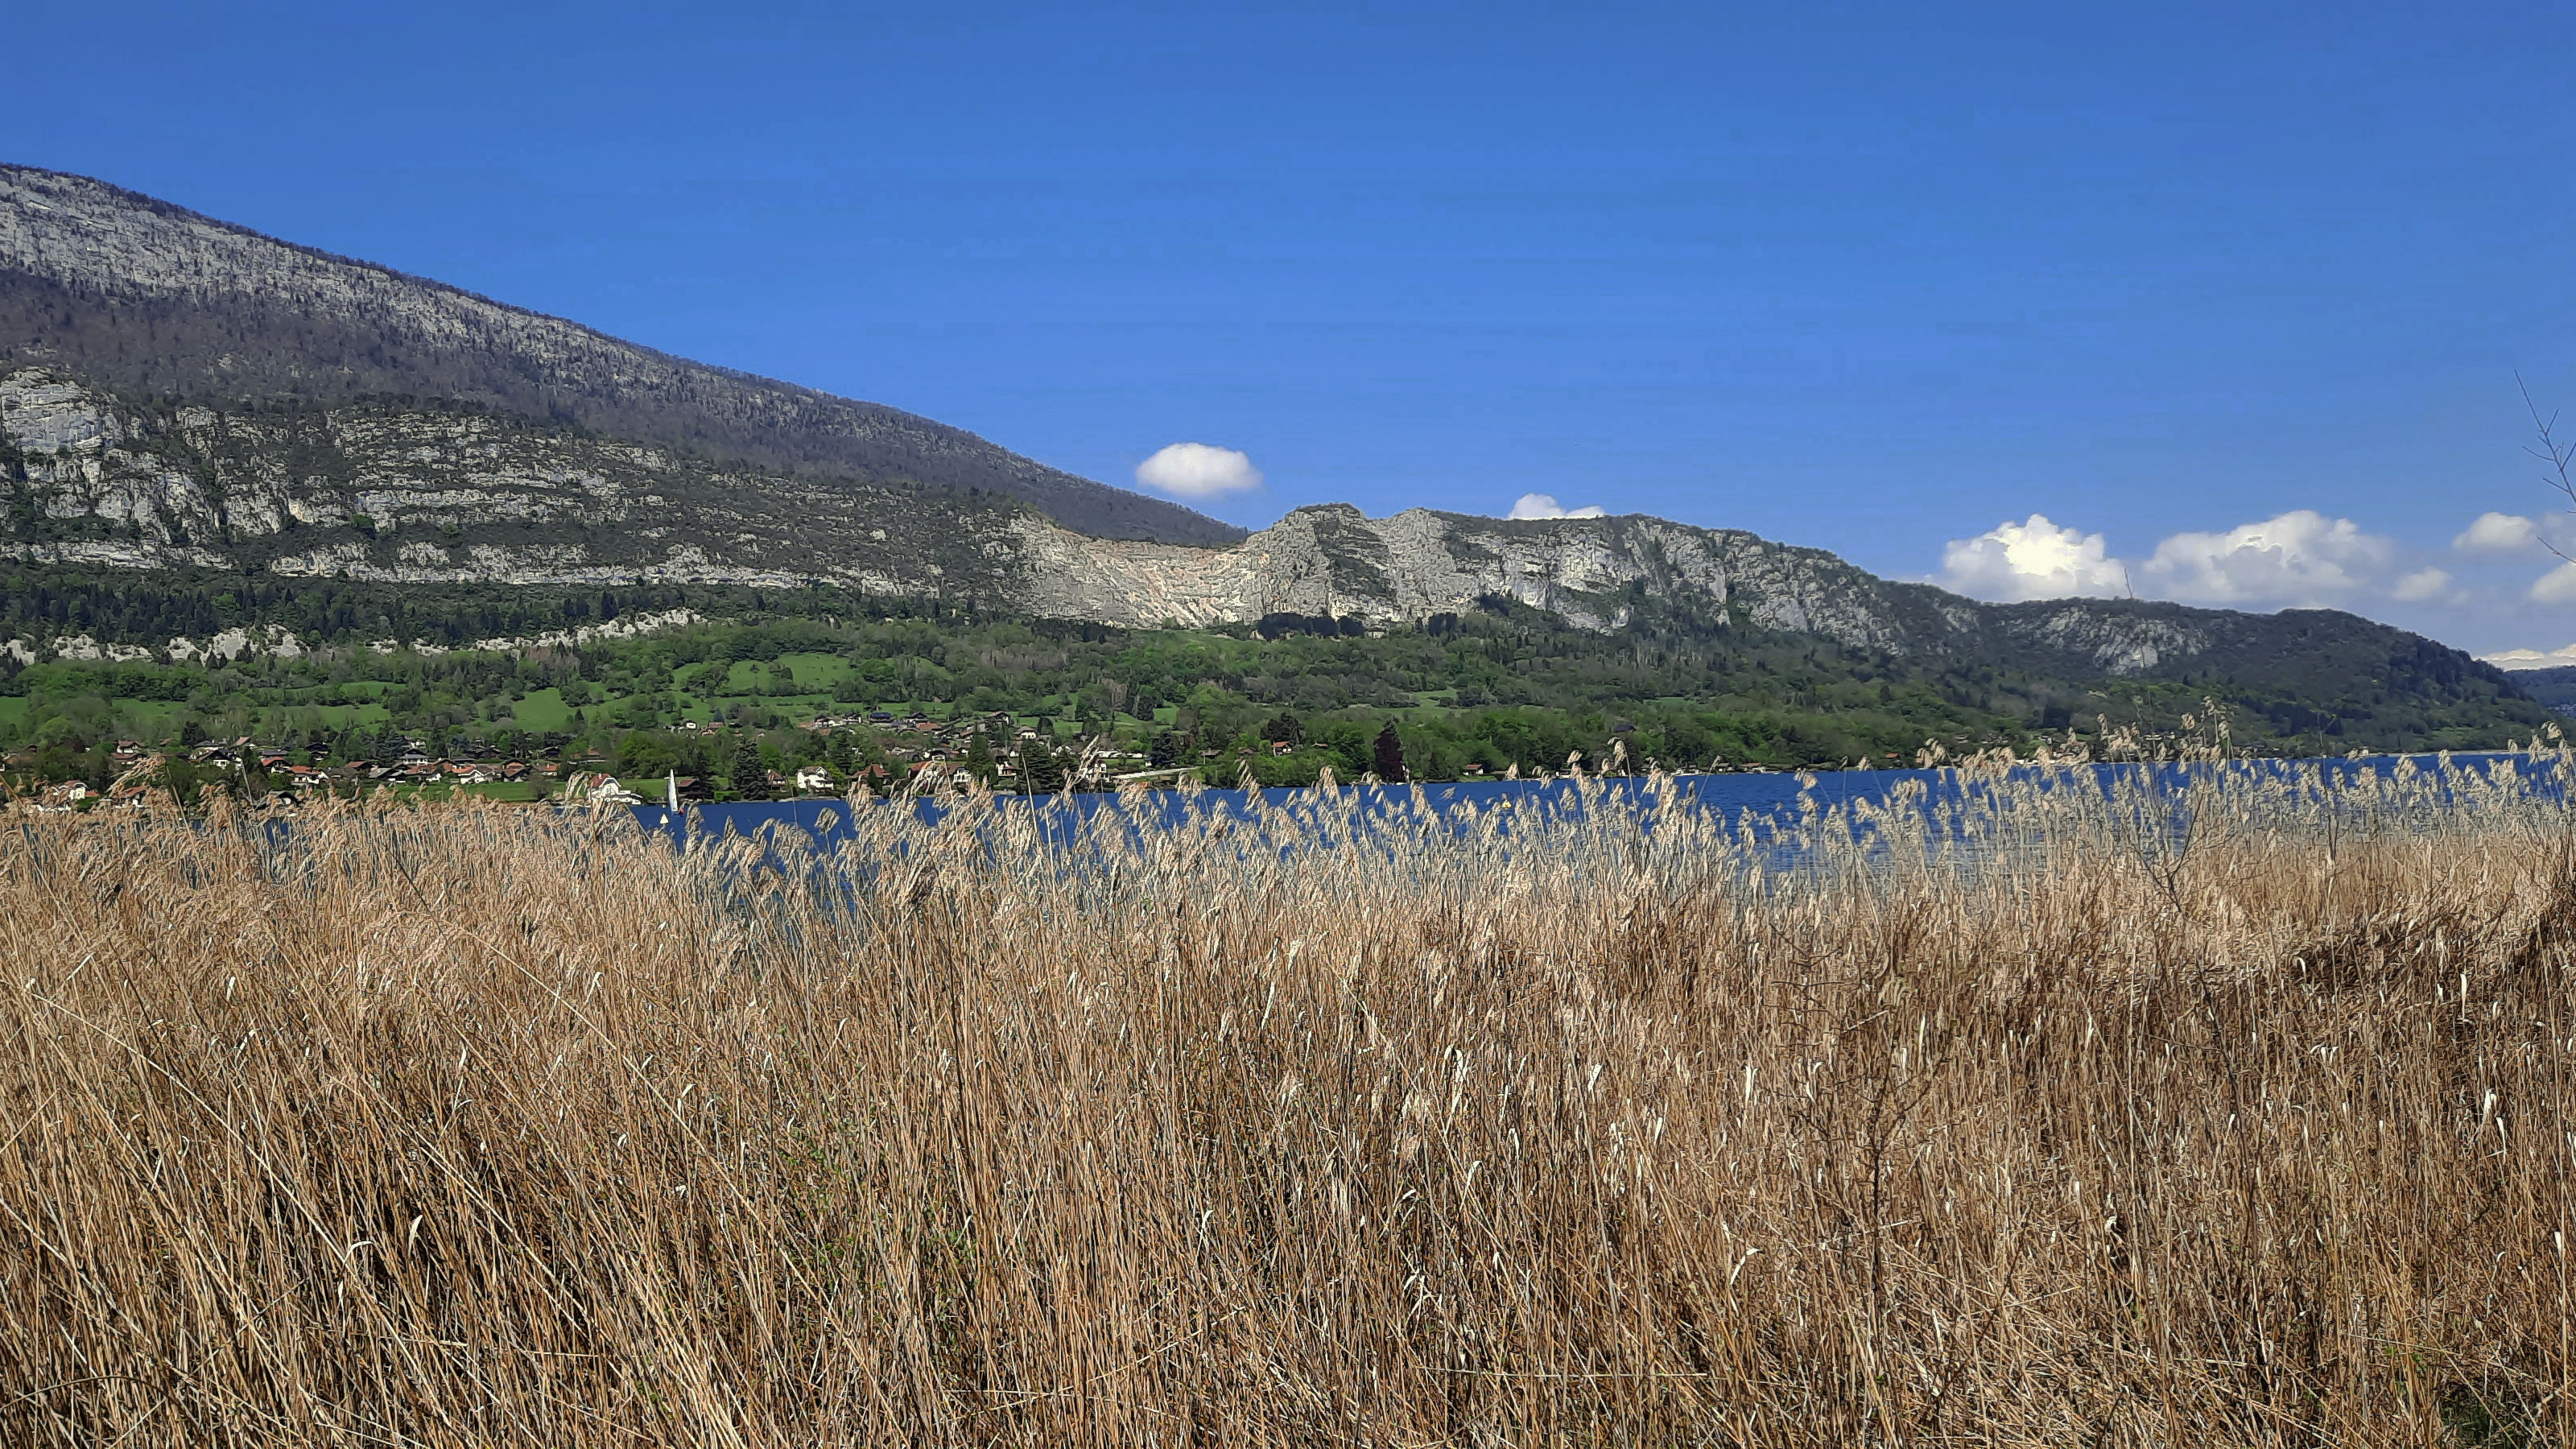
(2226, 1109)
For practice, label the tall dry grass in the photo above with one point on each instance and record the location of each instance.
(463, 1126)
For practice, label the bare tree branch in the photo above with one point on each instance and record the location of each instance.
(2559, 456)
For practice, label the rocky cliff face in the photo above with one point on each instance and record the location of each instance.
(448, 494)
(445, 493)
(176, 393)
(150, 300)
(1333, 561)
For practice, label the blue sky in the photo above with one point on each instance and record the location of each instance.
(1873, 278)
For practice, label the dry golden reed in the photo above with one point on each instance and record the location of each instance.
(2092, 1125)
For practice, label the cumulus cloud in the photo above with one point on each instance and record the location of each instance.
(2033, 560)
(2558, 586)
(2532, 658)
(1544, 505)
(2420, 585)
(1198, 470)
(2498, 533)
(2300, 557)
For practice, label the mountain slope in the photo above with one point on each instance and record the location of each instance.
(135, 295)
(445, 493)
(383, 491)
(178, 394)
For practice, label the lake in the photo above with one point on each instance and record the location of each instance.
(1765, 806)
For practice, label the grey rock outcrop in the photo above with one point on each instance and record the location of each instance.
(181, 394)
(440, 494)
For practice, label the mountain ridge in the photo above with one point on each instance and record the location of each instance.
(130, 439)
(403, 493)
(150, 298)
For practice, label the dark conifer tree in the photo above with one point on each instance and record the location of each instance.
(1041, 769)
(1390, 755)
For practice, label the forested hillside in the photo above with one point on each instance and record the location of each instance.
(1480, 693)
(250, 491)
(2555, 688)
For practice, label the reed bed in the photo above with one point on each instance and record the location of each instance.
(2082, 1117)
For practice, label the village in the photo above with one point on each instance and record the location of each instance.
(878, 751)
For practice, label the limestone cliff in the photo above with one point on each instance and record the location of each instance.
(178, 393)
(448, 494)
(443, 493)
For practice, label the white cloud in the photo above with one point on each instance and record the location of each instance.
(1198, 470)
(2420, 585)
(2498, 533)
(2558, 586)
(2300, 557)
(2532, 658)
(2033, 560)
(1543, 505)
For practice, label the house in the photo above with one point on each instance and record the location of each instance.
(514, 771)
(583, 786)
(813, 780)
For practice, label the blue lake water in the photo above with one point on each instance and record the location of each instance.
(1766, 801)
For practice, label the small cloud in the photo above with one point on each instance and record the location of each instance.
(1198, 470)
(2420, 585)
(2033, 560)
(2558, 586)
(1543, 505)
(2498, 533)
(2298, 558)
(2532, 658)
